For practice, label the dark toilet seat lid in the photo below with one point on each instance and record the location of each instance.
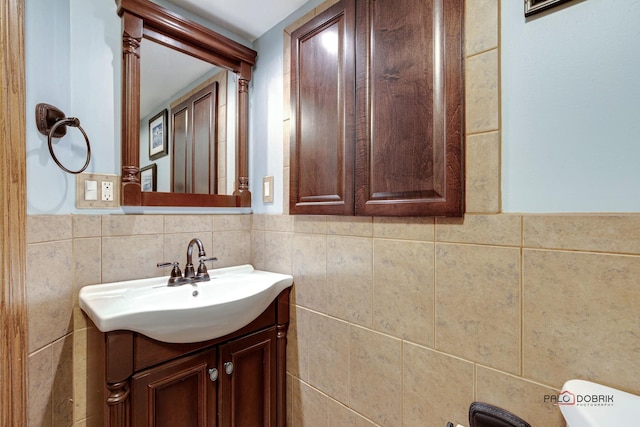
(485, 415)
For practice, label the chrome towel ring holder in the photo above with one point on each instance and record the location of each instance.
(53, 123)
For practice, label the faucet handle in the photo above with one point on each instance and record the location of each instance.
(202, 274)
(175, 271)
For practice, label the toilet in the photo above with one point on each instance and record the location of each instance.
(587, 404)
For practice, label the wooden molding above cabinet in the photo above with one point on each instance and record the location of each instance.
(377, 124)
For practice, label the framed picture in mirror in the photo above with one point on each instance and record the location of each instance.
(534, 6)
(158, 135)
(149, 177)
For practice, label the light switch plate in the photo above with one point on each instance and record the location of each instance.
(111, 182)
(267, 189)
(90, 190)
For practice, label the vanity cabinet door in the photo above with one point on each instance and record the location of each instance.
(248, 381)
(323, 113)
(176, 393)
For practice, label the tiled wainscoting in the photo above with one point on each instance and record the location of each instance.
(396, 322)
(406, 322)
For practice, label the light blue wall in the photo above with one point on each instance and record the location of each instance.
(47, 62)
(571, 108)
(266, 114)
(72, 51)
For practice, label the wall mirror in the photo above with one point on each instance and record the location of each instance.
(160, 45)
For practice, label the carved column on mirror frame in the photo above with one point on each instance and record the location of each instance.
(242, 158)
(118, 408)
(132, 28)
(281, 357)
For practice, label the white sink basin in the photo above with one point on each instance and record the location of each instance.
(233, 298)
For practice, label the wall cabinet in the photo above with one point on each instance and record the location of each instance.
(377, 110)
(233, 381)
(194, 141)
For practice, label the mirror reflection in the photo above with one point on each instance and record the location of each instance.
(187, 123)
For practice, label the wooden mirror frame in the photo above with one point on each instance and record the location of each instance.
(144, 19)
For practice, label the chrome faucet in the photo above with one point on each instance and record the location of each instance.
(190, 275)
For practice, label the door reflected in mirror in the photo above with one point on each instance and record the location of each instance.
(200, 99)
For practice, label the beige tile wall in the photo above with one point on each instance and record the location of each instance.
(407, 323)
(67, 252)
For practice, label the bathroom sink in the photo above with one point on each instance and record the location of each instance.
(233, 298)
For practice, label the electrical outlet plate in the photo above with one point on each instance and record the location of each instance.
(104, 199)
(107, 191)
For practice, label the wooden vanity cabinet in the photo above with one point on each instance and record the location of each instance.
(231, 385)
(377, 110)
(235, 381)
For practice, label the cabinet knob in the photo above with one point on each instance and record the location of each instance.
(213, 374)
(228, 368)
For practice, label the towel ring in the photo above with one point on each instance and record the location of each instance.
(73, 122)
(52, 123)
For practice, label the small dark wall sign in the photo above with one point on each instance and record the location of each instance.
(534, 6)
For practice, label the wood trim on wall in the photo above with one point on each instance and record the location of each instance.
(13, 310)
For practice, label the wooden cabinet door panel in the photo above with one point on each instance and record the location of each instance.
(410, 114)
(180, 137)
(195, 142)
(177, 393)
(322, 113)
(248, 393)
(205, 147)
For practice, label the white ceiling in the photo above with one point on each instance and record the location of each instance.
(247, 18)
